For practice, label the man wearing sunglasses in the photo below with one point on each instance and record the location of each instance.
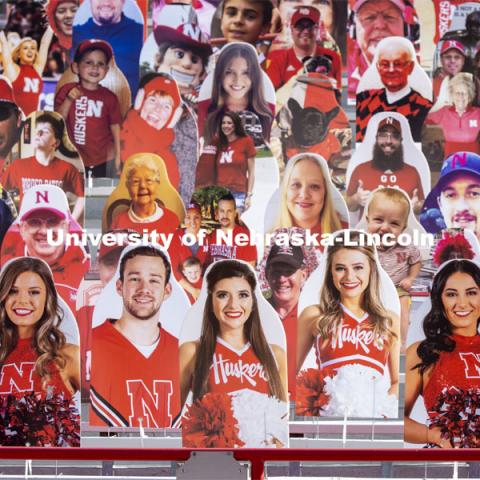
(286, 273)
(283, 64)
(386, 169)
(44, 208)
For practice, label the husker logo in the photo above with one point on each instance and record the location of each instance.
(150, 410)
(31, 85)
(17, 379)
(472, 364)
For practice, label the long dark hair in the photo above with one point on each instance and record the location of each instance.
(437, 328)
(256, 96)
(237, 125)
(252, 328)
(48, 339)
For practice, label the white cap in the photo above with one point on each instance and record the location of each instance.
(44, 197)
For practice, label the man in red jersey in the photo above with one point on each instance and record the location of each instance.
(283, 64)
(141, 387)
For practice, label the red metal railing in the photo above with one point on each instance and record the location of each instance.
(257, 457)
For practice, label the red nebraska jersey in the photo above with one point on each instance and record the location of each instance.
(89, 122)
(27, 88)
(168, 223)
(354, 343)
(126, 388)
(234, 370)
(459, 369)
(18, 373)
(223, 250)
(232, 164)
(26, 173)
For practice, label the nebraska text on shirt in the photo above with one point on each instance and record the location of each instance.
(356, 336)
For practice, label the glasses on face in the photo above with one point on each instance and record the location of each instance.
(396, 65)
(389, 136)
(282, 270)
(37, 223)
(136, 182)
(300, 27)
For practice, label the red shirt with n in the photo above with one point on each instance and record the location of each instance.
(129, 389)
(232, 164)
(25, 173)
(283, 64)
(230, 250)
(89, 120)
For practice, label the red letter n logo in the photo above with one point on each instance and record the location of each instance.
(41, 197)
(152, 410)
(14, 379)
(472, 364)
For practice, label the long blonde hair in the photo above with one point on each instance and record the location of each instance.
(331, 313)
(329, 218)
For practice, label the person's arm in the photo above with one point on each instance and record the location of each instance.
(304, 334)
(71, 371)
(78, 209)
(394, 356)
(42, 55)
(188, 353)
(63, 107)
(281, 359)
(10, 68)
(413, 271)
(115, 129)
(251, 182)
(415, 432)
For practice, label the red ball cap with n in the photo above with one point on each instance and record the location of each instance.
(310, 13)
(452, 44)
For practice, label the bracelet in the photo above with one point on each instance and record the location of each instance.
(249, 194)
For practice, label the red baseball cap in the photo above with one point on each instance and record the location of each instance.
(390, 122)
(452, 44)
(311, 13)
(194, 206)
(187, 34)
(94, 44)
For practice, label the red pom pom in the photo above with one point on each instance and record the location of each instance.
(457, 414)
(310, 395)
(209, 423)
(38, 421)
(452, 246)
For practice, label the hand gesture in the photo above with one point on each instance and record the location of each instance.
(362, 194)
(74, 93)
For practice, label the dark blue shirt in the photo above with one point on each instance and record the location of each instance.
(126, 39)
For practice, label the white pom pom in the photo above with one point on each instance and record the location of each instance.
(262, 420)
(371, 398)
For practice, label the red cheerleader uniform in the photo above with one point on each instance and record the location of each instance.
(234, 370)
(18, 379)
(354, 343)
(460, 369)
(27, 88)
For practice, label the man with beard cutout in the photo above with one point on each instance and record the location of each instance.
(140, 387)
(386, 169)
